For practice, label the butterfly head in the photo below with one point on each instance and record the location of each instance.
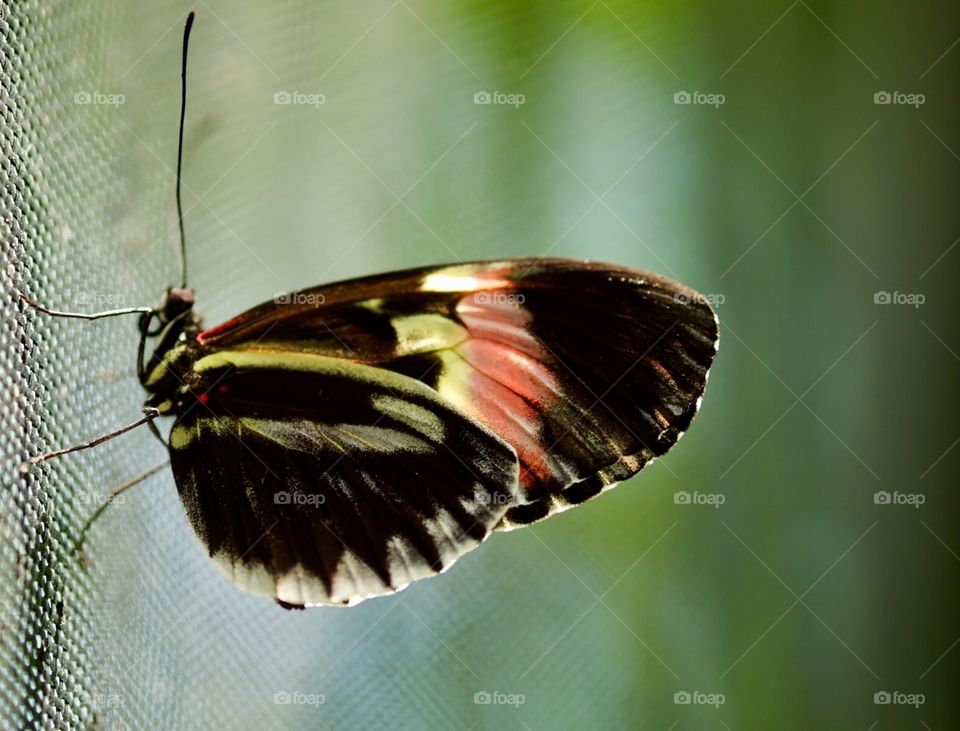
(173, 323)
(176, 303)
(174, 308)
(171, 318)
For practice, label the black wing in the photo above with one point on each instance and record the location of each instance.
(587, 370)
(318, 481)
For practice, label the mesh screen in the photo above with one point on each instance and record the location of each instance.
(382, 160)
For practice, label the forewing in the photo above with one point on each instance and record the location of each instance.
(587, 370)
(317, 481)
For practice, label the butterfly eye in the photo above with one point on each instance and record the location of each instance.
(181, 297)
(176, 303)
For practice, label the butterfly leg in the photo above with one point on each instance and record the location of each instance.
(83, 315)
(150, 413)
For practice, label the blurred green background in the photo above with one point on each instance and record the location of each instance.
(783, 189)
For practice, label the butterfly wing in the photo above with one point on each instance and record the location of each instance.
(319, 481)
(587, 370)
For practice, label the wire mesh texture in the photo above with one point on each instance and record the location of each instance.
(791, 565)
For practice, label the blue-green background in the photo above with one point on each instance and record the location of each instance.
(792, 203)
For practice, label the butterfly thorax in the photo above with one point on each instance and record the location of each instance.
(168, 375)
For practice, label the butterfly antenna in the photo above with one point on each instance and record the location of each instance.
(111, 497)
(183, 113)
(150, 414)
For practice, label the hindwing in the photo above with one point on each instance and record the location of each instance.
(320, 481)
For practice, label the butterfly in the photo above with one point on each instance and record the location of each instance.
(341, 442)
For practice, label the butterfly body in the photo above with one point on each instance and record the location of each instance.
(341, 442)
